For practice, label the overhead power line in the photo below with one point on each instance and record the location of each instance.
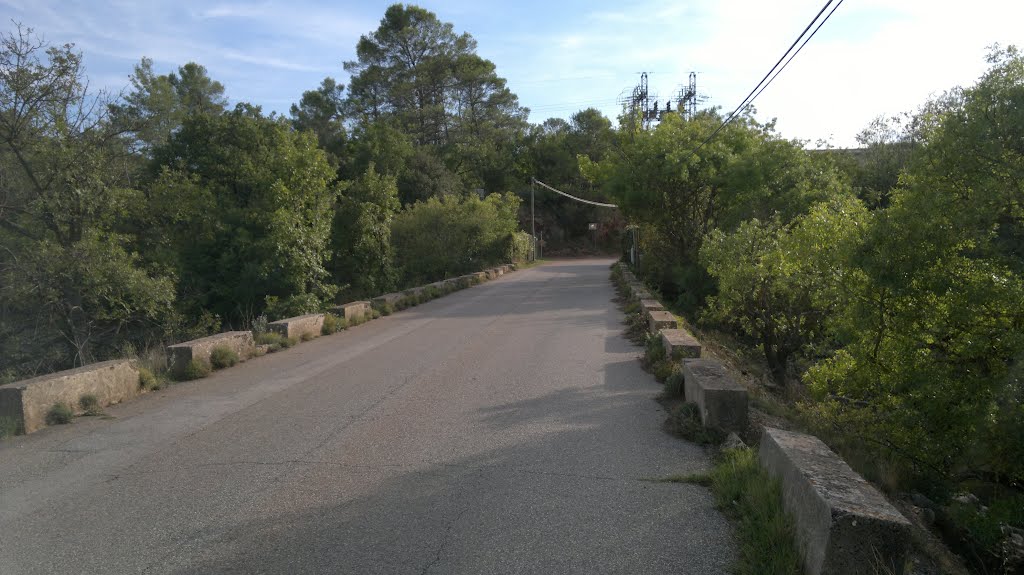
(776, 69)
(599, 204)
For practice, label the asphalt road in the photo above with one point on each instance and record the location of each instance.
(507, 428)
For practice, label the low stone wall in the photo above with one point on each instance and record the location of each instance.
(179, 355)
(721, 401)
(680, 344)
(660, 320)
(388, 298)
(649, 305)
(311, 324)
(28, 402)
(843, 524)
(353, 310)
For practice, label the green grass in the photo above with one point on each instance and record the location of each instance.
(9, 426)
(222, 357)
(333, 324)
(196, 369)
(148, 380)
(753, 500)
(90, 404)
(673, 386)
(684, 421)
(60, 413)
(269, 338)
(307, 336)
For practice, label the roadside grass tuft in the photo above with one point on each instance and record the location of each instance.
(196, 369)
(148, 380)
(684, 421)
(60, 413)
(673, 386)
(90, 404)
(753, 500)
(222, 357)
(702, 479)
(269, 338)
(9, 426)
(306, 336)
(332, 324)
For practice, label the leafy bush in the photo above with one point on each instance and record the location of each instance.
(307, 336)
(444, 237)
(260, 324)
(292, 306)
(59, 414)
(287, 342)
(222, 357)
(196, 369)
(684, 421)
(90, 404)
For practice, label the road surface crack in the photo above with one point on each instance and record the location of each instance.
(444, 542)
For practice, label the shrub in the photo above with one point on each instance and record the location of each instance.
(196, 369)
(674, 385)
(260, 325)
(287, 342)
(332, 324)
(90, 404)
(271, 348)
(385, 309)
(222, 357)
(269, 338)
(655, 349)
(59, 414)
(684, 421)
(147, 380)
(306, 336)
(376, 313)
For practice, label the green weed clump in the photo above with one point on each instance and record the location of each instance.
(684, 421)
(90, 404)
(753, 499)
(148, 380)
(222, 357)
(60, 413)
(673, 385)
(306, 336)
(270, 338)
(385, 309)
(287, 342)
(196, 369)
(333, 324)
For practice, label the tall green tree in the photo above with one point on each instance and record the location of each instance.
(244, 213)
(71, 288)
(362, 261)
(321, 111)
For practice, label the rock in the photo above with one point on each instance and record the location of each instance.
(922, 501)
(733, 441)
(968, 499)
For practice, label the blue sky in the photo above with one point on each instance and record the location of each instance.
(873, 57)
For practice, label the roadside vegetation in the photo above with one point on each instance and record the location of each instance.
(872, 297)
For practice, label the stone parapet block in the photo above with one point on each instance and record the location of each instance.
(311, 324)
(844, 526)
(179, 355)
(27, 402)
(649, 305)
(353, 310)
(721, 401)
(680, 344)
(660, 320)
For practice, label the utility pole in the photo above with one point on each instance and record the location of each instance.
(533, 219)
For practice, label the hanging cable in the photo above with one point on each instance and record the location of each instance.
(599, 204)
(774, 72)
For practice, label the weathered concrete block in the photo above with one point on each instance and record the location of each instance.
(660, 320)
(721, 401)
(354, 310)
(679, 344)
(28, 401)
(642, 294)
(388, 298)
(483, 276)
(843, 524)
(179, 355)
(299, 326)
(649, 305)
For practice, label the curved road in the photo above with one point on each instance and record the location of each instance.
(506, 428)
